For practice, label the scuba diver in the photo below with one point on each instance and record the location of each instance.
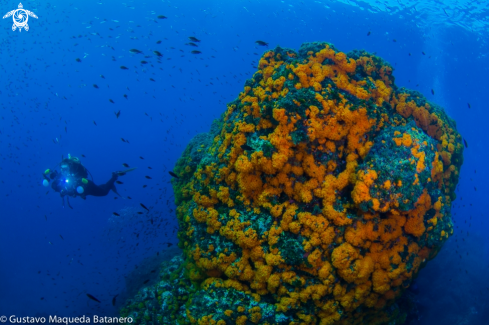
(72, 180)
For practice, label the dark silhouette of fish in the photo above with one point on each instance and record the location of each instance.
(162, 17)
(194, 39)
(246, 147)
(95, 86)
(466, 144)
(261, 43)
(157, 53)
(135, 51)
(93, 298)
(195, 52)
(173, 174)
(114, 299)
(124, 68)
(116, 214)
(144, 207)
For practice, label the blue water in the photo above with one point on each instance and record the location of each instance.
(51, 257)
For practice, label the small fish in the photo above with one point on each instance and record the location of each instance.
(246, 147)
(123, 140)
(158, 42)
(468, 104)
(145, 281)
(194, 39)
(130, 198)
(169, 244)
(124, 68)
(125, 165)
(432, 91)
(95, 86)
(368, 34)
(61, 237)
(78, 60)
(141, 157)
(144, 186)
(110, 100)
(125, 96)
(195, 52)
(144, 62)
(157, 53)
(94, 123)
(148, 177)
(93, 298)
(149, 167)
(144, 207)
(172, 174)
(139, 212)
(83, 156)
(135, 51)
(466, 144)
(113, 299)
(102, 76)
(116, 214)
(261, 43)
(162, 17)
(192, 44)
(152, 79)
(117, 114)
(423, 53)
(119, 182)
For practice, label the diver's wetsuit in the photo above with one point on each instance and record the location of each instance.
(100, 190)
(67, 183)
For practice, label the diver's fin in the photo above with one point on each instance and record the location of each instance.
(114, 189)
(123, 172)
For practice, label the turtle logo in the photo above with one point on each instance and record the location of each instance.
(20, 17)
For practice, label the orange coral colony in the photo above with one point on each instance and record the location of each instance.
(317, 196)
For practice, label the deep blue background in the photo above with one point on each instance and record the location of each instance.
(43, 89)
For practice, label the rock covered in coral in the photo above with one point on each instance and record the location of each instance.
(317, 196)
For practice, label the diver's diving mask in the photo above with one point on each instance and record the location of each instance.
(65, 170)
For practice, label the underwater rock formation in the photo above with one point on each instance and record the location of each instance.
(315, 199)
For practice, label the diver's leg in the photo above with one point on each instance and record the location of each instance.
(101, 190)
(68, 200)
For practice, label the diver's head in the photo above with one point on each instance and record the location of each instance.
(65, 169)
